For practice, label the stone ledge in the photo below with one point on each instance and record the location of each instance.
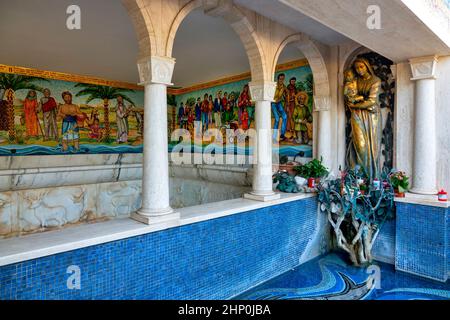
(424, 200)
(53, 242)
(65, 176)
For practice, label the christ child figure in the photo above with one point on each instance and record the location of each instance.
(351, 87)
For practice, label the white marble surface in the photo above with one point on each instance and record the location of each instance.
(155, 168)
(405, 118)
(43, 244)
(424, 200)
(37, 210)
(424, 163)
(64, 172)
(262, 177)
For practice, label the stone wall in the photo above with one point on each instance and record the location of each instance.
(45, 193)
(404, 121)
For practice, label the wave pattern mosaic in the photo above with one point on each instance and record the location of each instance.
(330, 277)
(47, 113)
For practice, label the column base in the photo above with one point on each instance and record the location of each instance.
(424, 192)
(157, 217)
(262, 198)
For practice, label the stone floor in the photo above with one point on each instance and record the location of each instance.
(331, 278)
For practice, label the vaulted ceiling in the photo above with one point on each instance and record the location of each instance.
(34, 34)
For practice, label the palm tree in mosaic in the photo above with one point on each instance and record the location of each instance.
(10, 84)
(106, 94)
(307, 86)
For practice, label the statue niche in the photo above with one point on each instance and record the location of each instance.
(361, 93)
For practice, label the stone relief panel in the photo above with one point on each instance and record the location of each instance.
(50, 208)
(8, 210)
(118, 200)
(187, 193)
(36, 210)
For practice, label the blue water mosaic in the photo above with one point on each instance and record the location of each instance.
(303, 151)
(331, 278)
(215, 259)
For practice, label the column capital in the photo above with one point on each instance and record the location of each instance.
(262, 90)
(156, 69)
(424, 67)
(322, 103)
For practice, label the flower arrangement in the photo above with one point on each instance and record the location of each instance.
(399, 181)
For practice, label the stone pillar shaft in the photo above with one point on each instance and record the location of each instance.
(424, 157)
(322, 105)
(262, 94)
(155, 177)
(262, 178)
(155, 74)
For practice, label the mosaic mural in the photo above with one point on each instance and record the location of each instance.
(46, 113)
(230, 106)
(40, 115)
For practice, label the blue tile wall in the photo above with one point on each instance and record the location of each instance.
(422, 240)
(384, 246)
(447, 247)
(215, 259)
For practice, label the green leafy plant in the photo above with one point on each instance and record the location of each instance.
(400, 181)
(312, 169)
(286, 183)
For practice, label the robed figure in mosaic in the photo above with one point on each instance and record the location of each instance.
(362, 88)
(49, 107)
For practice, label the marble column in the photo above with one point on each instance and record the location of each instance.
(262, 93)
(155, 74)
(322, 106)
(424, 158)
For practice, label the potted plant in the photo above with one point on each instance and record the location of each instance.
(286, 165)
(400, 183)
(285, 182)
(314, 171)
(363, 189)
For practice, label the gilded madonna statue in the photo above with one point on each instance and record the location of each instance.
(361, 92)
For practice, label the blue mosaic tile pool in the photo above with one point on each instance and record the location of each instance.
(214, 259)
(331, 278)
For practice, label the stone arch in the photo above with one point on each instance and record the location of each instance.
(316, 61)
(182, 14)
(237, 20)
(348, 58)
(143, 27)
(322, 93)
